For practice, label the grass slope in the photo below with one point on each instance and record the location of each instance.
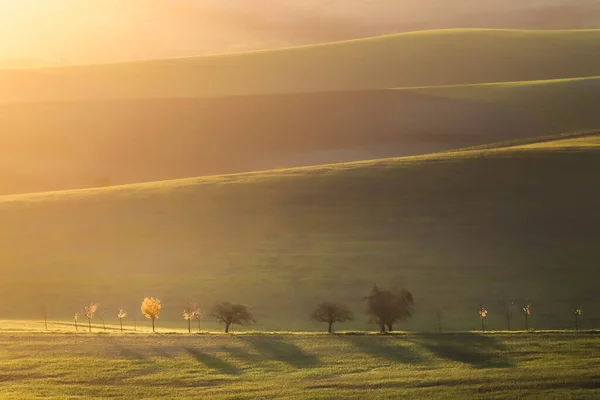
(428, 58)
(456, 228)
(312, 366)
(49, 146)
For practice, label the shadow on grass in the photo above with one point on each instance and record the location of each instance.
(272, 347)
(164, 352)
(386, 347)
(478, 350)
(129, 354)
(241, 354)
(213, 362)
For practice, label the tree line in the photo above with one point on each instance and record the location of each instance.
(385, 308)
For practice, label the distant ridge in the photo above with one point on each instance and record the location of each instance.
(428, 58)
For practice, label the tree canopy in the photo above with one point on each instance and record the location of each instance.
(331, 313)
(386, 307)
(230, 314)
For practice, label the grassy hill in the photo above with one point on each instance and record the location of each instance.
(456, 228)
(461, 366)
(61, 145)
(68, 31)
(397, 95)
(428, 58)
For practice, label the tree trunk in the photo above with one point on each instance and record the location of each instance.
(526, 322)
(121, 321)
(153, 325)
(390, 327)
(482, 325)
(90, 324)
(382, 328)
(576, 322)
(199, 330)
(330, 329)
(189, 326)
(227, 327)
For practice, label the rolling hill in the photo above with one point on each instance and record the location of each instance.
(430, 58)
(62, 32)
(513, 221)
(62, 145)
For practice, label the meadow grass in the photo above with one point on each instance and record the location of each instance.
(455, 228)
(300, 366)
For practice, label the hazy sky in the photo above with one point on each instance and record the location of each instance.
(97, 30)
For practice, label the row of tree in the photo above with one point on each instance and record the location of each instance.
(510, 309)
(151, 308)
(384, 308)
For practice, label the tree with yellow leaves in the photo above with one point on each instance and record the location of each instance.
(90, 311)
(151, 309)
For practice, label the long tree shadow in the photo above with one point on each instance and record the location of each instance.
(387, 347)
(241, 354)
(128, 353)
(272, 347)
(480, 351)
(213, 362)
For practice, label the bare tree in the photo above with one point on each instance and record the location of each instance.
(386, 307)
(199, 320)
(527, 313)
(102, 315)
(508, 310)
(76, 320)
(230, 314)
(578, 313)
(45, 318)
(331, 313)
(190, 313)
(90, 311)
(438, 316)
(121, 314)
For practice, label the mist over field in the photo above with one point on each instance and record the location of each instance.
(55, 32)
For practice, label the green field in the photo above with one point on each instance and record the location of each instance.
(447, 366)
(50, 146)
(462, 165)
(456, 228)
